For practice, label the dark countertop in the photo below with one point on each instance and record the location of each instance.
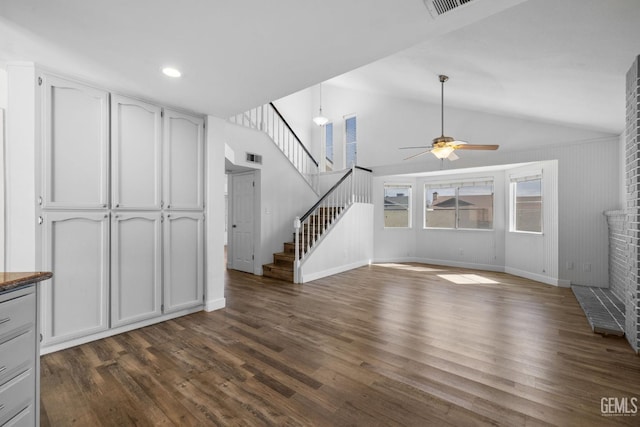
(15, 281)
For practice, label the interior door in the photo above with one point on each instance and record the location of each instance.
(242, 222)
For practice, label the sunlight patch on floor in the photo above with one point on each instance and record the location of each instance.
(408, 267)
(465, 279)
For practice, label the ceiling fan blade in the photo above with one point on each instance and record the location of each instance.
(452, 156)
(417, 155)
(476, 147)
(420, 146)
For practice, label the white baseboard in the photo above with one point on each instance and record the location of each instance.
(46, 349)
(335, 270)
(487, 267)
(215, 304)
(447, 263)
(538, 277)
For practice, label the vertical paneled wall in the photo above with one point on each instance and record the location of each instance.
(633, 197)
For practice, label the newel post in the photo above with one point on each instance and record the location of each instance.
(296, 264)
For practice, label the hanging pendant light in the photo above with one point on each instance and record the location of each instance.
(320, 120)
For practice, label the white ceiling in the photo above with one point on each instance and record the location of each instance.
(549, 60)
(560, 61)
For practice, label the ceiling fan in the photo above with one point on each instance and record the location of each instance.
(443, 147)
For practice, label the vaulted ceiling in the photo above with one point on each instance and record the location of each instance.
(559, 61)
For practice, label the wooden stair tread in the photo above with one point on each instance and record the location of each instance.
(274, 266)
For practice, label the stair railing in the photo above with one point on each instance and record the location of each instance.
(268, 119)
(354, 187)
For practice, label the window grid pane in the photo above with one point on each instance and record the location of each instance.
(440, 208)
(528, 206)
(328, 137)
(397, 206)
(351, 142)
(475, 207)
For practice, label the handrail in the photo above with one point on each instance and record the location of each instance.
(294, 134)
(363, 169)
(319, 202)
(266, 118)
(354, 186)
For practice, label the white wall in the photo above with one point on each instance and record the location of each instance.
(283, 192)
(349, 245)
(589, 163)
(483, 249)
(3, 88)
(216, 183)
(527, 255)
(22, 128)
(394, 244)
(535, 256)
(3, 108)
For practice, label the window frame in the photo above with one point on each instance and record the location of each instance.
(513, 182)
(346, 160)
(456, 185)
(409, 204)
(328, 161)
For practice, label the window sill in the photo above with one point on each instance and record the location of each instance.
(459, 229)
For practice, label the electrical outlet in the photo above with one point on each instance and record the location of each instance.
(569, 265)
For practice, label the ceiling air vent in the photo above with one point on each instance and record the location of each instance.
(254, 158)
(438, 7)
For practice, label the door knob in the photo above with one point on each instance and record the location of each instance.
(233, 226)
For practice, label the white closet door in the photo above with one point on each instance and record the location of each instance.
(183, 160)
(75, 302)
(136, 154)
(75, 148)
(183, 260)
(136, 254)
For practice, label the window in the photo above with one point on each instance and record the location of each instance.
(526, 204)
(350, 140)
(467, 205)
(328, 145)
(397, 206)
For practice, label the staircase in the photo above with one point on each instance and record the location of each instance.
(268, 119)
(284, 262)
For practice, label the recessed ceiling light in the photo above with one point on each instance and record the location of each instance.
(171, 72)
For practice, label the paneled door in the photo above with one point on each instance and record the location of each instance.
(242, 216)
(183, 260)
(136, 255)
(183, 161)
(75, 145)
(136, 154)
(75, 302)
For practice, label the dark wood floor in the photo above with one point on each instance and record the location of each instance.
(380, 345)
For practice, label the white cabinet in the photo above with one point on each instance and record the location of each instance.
(75, 145)
(111, 168)
(135, 267)
(183, 260)
(18, 358)
(136, 154)
(76, 247)
(183, 161)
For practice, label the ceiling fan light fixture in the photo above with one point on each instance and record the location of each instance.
(442, 152)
